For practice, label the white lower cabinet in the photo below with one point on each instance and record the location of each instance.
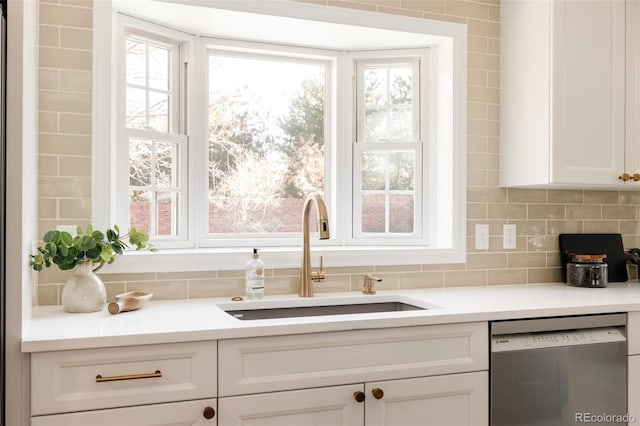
(453, 399)
(408, 376)
(335, 406)
(190, 413)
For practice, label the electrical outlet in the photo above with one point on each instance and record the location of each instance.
(482, 237)
(509, 236)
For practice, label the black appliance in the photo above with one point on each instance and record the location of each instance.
(609, 244)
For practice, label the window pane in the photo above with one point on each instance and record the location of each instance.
(388, 102)
(136, 68)
(158, 68)
(158, 112)
(374, 166)
(401, 170)
(140, 210)
(266, 142)
(136, 115)
(139, 162)
(401, 213)
(373, 213)
(166, 205)
(166, 162)
(148, 85)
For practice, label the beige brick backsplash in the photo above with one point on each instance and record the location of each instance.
(52, 57)
(433, 6)
(64, 144)
(75, 166)
(619, 212)
(62, 16)
(65, 102)
(527, 260)
(601, 197)
(546, 275)
(465, 278)
(601, 226)
(507, 211)
(48, 208)
(203, 288)
(398, 11)
(477, 44)
(425, 279)
(565, 197)
(64, 154)
(78, 124)
(48, 79)
(507, 276)
(584, 212)
(74, 38)
(555, 227)
(49, 35)
(162, 290)
(486, 260)
(75, 81)
(74, 208)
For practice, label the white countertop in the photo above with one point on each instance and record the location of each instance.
(201, 319)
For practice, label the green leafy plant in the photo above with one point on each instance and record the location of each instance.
(89, 245)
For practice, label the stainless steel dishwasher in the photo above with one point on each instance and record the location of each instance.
(559, 371)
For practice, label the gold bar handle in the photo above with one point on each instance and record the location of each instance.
(100, 379)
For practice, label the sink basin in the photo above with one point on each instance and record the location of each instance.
(320, 310)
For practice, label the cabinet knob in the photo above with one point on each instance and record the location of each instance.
(209, 413)
(625, 177)
(636, 177)
(377, 393)
(359, 396)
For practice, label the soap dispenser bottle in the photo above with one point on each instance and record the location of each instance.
(254, 277)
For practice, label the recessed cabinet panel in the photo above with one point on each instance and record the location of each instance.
(266, 364)
(453, 399)
(335, 406)
(191, 413)
(92, 379)
(563, 94)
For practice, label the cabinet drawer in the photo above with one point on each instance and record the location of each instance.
(91, 379)
(265, 364)
(190, 413)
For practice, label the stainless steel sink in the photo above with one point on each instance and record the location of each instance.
(315, 310)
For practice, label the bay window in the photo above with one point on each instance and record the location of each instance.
(218, 139)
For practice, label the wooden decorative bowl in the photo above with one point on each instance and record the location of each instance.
(129, 301)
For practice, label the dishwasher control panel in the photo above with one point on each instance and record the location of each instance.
(551, 339)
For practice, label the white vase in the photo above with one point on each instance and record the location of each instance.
(84, 291)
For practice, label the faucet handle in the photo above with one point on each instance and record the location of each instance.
(369, 283)
(319, 274)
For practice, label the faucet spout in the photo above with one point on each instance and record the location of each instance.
(307, 275)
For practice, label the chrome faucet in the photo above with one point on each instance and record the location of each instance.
(307, 275)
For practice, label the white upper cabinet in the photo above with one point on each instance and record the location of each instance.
(563, 94)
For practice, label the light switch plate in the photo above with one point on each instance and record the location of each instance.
(482, 237)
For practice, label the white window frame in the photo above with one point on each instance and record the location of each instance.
(448, 47)
(178, 44)
(420, 92)
(331, 60)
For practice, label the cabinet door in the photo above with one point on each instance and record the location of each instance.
(190, 413)
(449, 400)
(632, 147)
(588, 91)
(633, 387)
(335, 406)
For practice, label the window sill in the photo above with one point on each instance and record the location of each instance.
(184, 260)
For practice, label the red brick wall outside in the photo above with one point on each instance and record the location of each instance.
(285, 217)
